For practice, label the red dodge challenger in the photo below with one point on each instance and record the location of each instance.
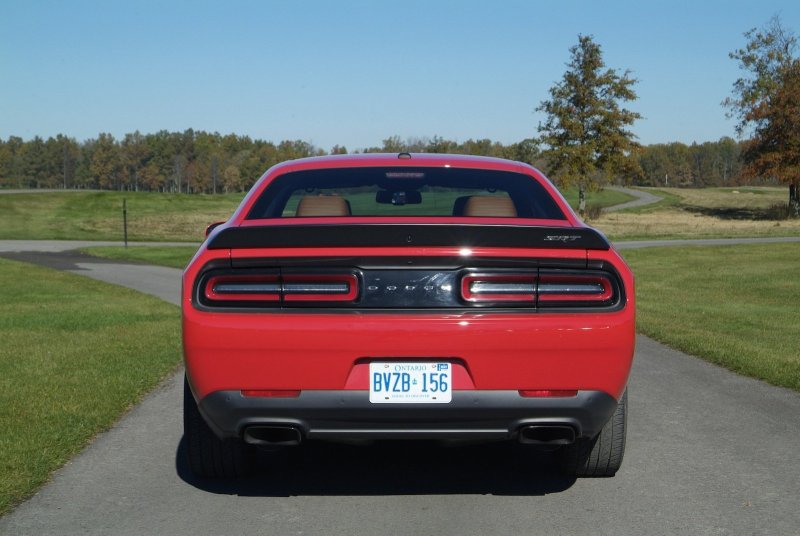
(406, 296)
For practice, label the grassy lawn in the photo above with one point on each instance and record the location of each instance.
(603, 198)
(747, 199)
(76, 354)
(736, 306)
(98, 215)
(702, 213)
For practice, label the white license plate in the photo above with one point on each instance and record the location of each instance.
(393, 382)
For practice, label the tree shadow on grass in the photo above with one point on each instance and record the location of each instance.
(736, 213)
(391, 468)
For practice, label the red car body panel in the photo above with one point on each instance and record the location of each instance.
(309, 350)
(227, 350)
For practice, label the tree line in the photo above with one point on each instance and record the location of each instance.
(189, 161)
(186, 161)
(202, 162)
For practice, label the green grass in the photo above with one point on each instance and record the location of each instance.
(98, 215)
(736, 306)
(76, 354)
(686, 213)
(602, 198)
(174, 257)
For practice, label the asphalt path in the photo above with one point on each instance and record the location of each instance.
(708, 452)
(643, 198)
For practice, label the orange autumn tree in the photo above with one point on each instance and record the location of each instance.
(767, 103)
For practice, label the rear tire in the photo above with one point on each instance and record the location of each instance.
(208, 455)
(602, 455)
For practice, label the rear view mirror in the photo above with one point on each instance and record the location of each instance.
(386, 197)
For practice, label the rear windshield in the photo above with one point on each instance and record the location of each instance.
(383, 191)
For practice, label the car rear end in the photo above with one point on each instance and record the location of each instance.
(313, 314)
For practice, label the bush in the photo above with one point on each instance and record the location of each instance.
(592, 212)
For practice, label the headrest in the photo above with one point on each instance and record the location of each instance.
(459, 204)
(490, 206)
(322, 205)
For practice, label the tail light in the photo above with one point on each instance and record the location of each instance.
(527, 290)
(542, 289)
(574, 289)
(275, 289)
(321, 287)
(260, 288)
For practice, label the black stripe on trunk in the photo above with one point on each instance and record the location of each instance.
(393, 235)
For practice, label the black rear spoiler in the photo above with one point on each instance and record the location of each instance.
(420, 235)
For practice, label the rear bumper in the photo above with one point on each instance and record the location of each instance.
(473, 414)
(330, 352)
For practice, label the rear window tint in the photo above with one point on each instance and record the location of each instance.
(384, 191)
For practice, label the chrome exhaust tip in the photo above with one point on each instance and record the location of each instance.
(545, 434)
(277, 436)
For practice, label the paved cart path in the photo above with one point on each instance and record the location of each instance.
(709, 452)
(642, 198)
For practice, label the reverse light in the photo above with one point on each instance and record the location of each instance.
(499, 288)
(320, 287)
(577, 289)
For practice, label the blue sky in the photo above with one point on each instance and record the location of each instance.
(354, 73)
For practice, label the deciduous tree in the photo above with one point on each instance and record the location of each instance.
(586, 130)
(34, 164)
(106, 162)
(766, 102)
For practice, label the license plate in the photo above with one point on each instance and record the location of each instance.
(410, 382)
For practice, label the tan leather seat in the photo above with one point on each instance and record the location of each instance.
(489, 206)
(322, 205)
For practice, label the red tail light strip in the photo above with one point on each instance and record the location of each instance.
(287, 288)
(243, 288)
(544, 289)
